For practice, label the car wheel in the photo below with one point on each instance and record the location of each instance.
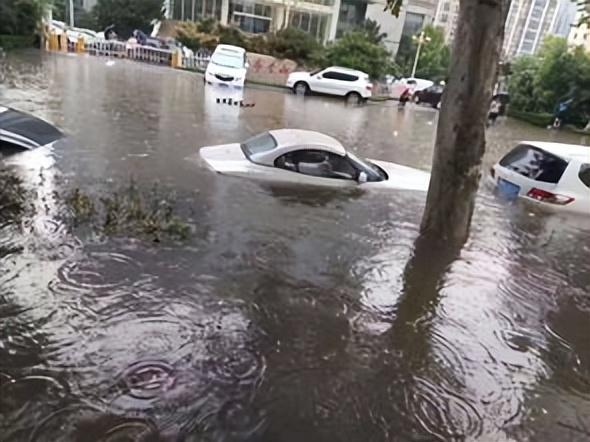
(301, 88)
(354, 98)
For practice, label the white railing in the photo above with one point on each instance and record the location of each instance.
(148, 54)
(198, 62)
(109, 48)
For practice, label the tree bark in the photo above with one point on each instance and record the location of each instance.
(460, 137)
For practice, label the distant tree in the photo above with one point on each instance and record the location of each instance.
(20, 17)
(127, 15)
(373, 31)
(294, 44)
(405, 54)
(357, 51)
(435, 56)
(521, 85)
(555, 74)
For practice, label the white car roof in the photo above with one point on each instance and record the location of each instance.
(565, 151)
(307, 138)
(235, 50)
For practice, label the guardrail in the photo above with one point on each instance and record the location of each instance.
(198, 62)
(133, 51)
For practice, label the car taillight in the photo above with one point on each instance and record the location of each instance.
(549, 197)
(369, 86)
(492, 172)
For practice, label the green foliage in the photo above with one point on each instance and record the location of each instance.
(128, 211)
(522, 83)
(556, 74)
(373, 31)
(191, 35)
(355, 50)
(257, 44)
(292, 43)
(127, 15)
(538, 119)
(207, 26)
(20, 17)
(229, 35)
(10, 42)
(394, 6)
(435, 55)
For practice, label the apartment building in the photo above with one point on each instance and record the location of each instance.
(415, 14)
(317, 17)
(527, 24)
(580, 31)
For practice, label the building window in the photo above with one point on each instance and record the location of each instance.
(196, 9)
(444, 18)
(251, 17)
(413, 24)
(447, 7)
(315, 24)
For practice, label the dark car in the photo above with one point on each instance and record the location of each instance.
(431, 95)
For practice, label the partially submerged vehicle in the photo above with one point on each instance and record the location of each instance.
(554, 176)
(19, 130)
(295, 156)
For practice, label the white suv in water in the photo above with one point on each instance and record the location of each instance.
(228, 66)
(553, 175)
(343, 82)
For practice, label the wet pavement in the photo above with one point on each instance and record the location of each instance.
(287, 315)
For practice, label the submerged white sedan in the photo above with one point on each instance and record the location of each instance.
(294, 156)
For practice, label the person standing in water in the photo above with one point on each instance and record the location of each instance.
(494, 112)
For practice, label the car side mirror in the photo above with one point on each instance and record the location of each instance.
(319, 76)
(362, 178)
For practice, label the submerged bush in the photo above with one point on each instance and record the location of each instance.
(128, 211)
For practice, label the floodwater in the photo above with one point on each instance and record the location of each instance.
(287, 315)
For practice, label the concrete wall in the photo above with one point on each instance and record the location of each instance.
(269, 70)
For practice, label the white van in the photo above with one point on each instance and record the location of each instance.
(228, 66)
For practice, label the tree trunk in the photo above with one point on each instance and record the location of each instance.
(460, 137)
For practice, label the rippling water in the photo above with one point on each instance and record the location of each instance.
(287, 316)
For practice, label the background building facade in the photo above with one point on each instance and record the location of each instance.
(415, 14)
(527, 24)
(318, 17)
(580, 31)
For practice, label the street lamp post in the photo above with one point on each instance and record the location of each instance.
(421, 39)
(71, 13)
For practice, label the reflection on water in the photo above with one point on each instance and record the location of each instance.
(289, 315)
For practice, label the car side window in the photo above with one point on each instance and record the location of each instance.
(585, 174)
(317, 163)
(339, 76)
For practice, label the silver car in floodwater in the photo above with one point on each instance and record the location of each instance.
(295, 156)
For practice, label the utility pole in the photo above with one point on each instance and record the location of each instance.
(421, 39)
(71, 8)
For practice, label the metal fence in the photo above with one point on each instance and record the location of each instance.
(148, 54)
(198, 62)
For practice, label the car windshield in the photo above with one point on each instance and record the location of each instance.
(374, 173)
(263, 142)
(228, 61)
